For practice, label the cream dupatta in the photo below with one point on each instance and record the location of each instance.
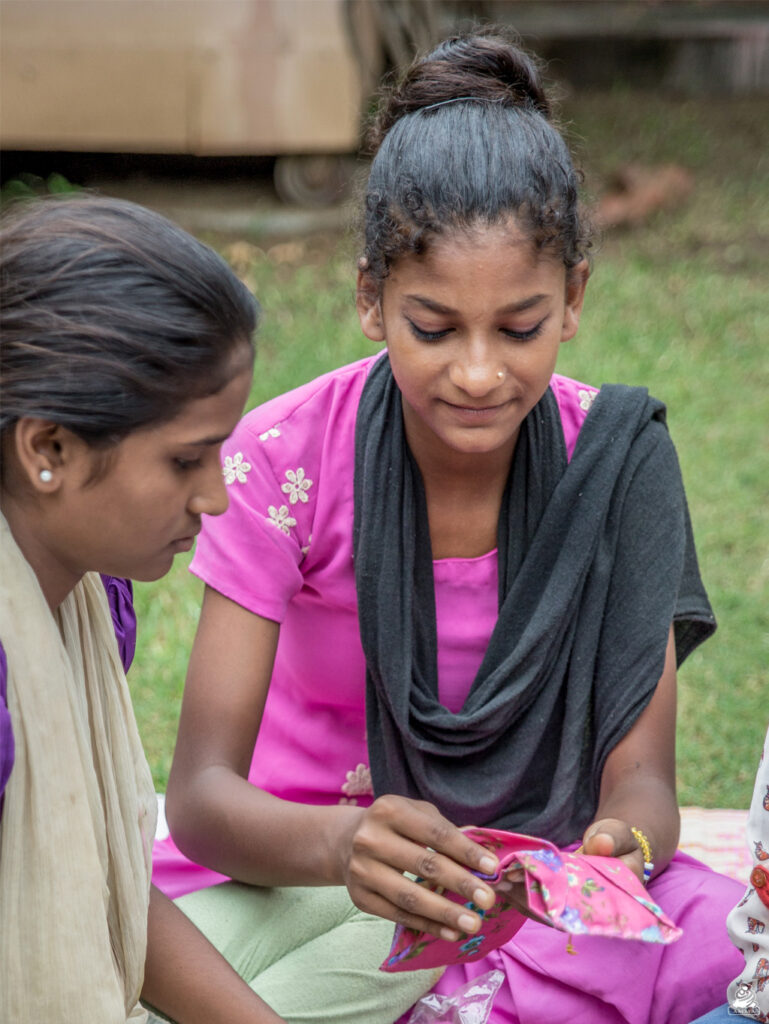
(79, 814)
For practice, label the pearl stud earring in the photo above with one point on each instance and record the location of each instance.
(46, 476)
(500, 374)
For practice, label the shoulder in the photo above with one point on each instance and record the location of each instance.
(574, 402)
(120, 598)
(307, 407)
(283, 447)
(286, 460)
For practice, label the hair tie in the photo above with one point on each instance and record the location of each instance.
(459, 99)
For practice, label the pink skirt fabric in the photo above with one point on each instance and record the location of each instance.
(618, 982)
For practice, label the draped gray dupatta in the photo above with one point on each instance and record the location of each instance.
(595, 558)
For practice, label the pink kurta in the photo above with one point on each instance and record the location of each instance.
(283, 550)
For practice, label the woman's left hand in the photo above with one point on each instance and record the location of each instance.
(611, 837)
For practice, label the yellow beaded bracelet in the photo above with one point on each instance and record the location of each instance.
(646, 850)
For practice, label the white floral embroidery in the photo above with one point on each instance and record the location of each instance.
(272, 432)
(586, 398)
(235, 468)
(306, 548)
(279, 517)
(297, 486)
(359, 782)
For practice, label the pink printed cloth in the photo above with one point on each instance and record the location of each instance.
(283, 551)
(571, 891)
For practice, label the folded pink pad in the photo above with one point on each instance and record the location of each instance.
(573, 892)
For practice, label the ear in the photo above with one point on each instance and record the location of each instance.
(369, 306)
(576, 282)
(42, 447)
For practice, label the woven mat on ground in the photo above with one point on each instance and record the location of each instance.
(716, 836)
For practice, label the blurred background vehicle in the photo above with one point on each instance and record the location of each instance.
(290, 81)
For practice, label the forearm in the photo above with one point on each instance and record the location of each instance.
(226, 824)
(188, 980)
(638, 784)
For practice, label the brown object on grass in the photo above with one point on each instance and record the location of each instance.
(640, 191)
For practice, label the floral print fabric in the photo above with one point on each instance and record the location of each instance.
(748, 923)
(570, 891)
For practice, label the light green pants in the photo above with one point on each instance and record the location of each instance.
(308, 952)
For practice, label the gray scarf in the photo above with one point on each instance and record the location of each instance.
(596, 559)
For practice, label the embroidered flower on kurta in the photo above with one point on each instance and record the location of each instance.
(272, 432)
(297, 486)
(279, 517)
(359, 782)
(235, 468)
(586, 398)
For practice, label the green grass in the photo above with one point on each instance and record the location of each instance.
(678, 305)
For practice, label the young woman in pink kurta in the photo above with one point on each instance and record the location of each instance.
(452, 587)
(284, 552)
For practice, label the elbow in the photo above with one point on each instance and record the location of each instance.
(199, 814)
(184, 812)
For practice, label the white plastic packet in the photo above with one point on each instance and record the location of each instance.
(469, 1004)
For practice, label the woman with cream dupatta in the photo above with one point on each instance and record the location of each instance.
(126, 360)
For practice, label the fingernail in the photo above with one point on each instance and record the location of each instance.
(488, 865)
(467, 922)
(483, 898)
(449, 934)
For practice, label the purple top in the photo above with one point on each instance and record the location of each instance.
(120, 597)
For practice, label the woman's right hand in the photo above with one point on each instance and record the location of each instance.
(396, 835)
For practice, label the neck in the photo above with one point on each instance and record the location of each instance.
(463, 491)
(55, 578)
(455, 470)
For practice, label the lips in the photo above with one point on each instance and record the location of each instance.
(477, 414)
(185, 543)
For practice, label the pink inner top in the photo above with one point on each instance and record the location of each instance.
(283, 550)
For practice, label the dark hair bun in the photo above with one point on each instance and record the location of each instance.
(484, 66)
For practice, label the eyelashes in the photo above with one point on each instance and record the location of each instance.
(426, 335)
(184, 465)
(533, 332)
(529, 335)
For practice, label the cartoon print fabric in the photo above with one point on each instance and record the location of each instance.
(570, 891)
(747, 923)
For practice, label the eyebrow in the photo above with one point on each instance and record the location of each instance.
(514, 307)
(205, 441)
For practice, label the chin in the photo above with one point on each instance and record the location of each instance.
(150, 573)
(476, 445)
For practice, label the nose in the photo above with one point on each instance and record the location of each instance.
(476, 369)
(210, 497)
